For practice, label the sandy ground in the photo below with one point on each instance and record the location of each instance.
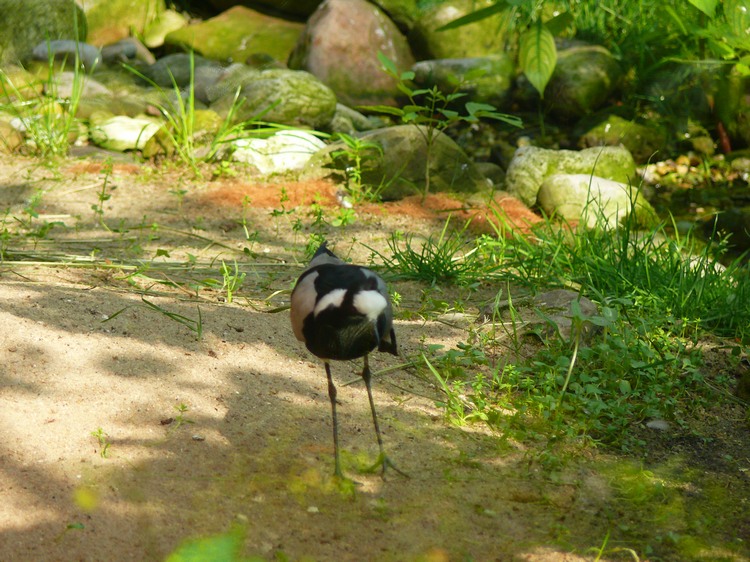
(233, 428)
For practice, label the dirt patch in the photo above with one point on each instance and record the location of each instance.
(124, 433)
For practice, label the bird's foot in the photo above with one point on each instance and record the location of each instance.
(345, 485)
(384, 462)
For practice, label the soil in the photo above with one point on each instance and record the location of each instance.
(139, 409)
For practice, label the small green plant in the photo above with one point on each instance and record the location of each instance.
(233, 279)
(105, 193)
(343, 217)
(354, 157)
(430, 110)
(103, 440)
(181, 419)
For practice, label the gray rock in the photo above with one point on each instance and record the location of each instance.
(287, 97)
(63, 85)
(483, 79)
(349, 121)
(175, 69)
(67, 49)
(531, 165)
(24, 25)
(127, 50)
(340, 44)
(593, 201)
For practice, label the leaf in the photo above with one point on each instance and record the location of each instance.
(737, 14)
(560, 23)
(708, 7)
(538, 56)
(388, 64)
(473, 17)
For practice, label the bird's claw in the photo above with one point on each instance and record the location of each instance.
(385, 462)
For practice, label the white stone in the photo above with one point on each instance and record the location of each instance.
(285, 151)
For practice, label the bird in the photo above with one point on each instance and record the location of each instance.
(340, 312)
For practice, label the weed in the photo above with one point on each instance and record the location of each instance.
(104, 195)
(429, 110)
(103, 440)
(233, 280)
(354, 158)
(444, 258)
(180, 419)
(343, 217)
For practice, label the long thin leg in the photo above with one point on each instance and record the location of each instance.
(383, 460)
(332, 396)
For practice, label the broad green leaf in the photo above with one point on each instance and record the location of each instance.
(537, 56)
(708, 7)
(388, 64)
(475, 16)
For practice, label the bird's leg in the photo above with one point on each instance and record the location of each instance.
(383, 460)
(332, 396)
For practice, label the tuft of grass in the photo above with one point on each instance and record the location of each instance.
(445, 258)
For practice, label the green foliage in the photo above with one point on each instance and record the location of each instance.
(537, 56)
(444, 258)
(103, 440)
(354, 158)
(431, 110)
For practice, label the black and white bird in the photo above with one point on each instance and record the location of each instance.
(341, 312)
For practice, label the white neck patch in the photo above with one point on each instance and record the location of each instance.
(334, 298)
(370, 303)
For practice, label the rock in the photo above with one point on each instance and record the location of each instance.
(285, 151)
(583, 80)
(294, 9)
(287, 97)
(175, 69)
(400, 171)
(112, 20)
(66, 84)
(10, 137)
(483, 79)
(531, 165)
(127, 51)
(643, 141)
(236, 34)
(66, 50)
(404, 13)
(349, 121)
(165, 23)
(122, 133)
(593, 201)
(340, 44)
(24, 25)
(18, 83)
(478, 39)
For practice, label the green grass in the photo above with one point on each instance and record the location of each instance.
(658, 298)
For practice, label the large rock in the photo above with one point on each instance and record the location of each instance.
(477, 39)
(583, 80)
(643, 141)
(593, 201)
(340, 46)
(400, 170)
(404, 13)
(483, 79)
(530, 166)
(112, 20)
(236, 34)
(287, 97)
(23, 25)
(176, 70)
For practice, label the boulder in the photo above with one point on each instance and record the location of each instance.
(340, 45)
(530, 166)
(286, 97)
(642, 140)
(24, 25)
(292, 9)
(483, 79)
(112, 20)
(593, 201)
(237, 34)
(478, 39)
